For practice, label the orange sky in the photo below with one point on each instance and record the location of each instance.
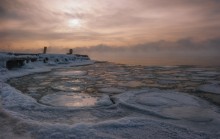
(114, 30)
(31, 25)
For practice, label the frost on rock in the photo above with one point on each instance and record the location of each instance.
(210, 88)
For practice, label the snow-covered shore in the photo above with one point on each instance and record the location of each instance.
(37, 67)
(6, 117)
(144, 113)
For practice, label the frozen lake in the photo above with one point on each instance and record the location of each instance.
(89, 83)
(105, 98)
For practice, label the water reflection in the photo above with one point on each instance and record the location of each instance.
(81, 86)
(69, 100)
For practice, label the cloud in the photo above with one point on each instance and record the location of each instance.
(126, 27)
(126, 20)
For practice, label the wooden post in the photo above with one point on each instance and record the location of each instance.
(71, 51)
(45, 50)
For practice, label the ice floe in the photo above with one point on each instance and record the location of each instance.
(69, 100)
(208, 73)
(168, 104)
(71, 73)
(111, 90)
(210, 88)
(167, 82)
(132, 84)
(67, 86)
(73, 107)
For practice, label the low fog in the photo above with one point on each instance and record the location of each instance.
(181, 52)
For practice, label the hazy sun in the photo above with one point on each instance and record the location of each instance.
(74, 23)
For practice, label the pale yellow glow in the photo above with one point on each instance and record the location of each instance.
(75, 23)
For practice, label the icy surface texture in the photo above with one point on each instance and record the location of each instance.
(69, 100)
(107, 100)
(170, 105)
(210, 88)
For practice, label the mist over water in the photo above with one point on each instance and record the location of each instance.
(147, 60)
(181, 52)
(185, 51)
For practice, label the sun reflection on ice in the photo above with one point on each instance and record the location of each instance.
(69, 100)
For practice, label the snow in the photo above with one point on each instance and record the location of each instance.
(128, 128)
(210, 88)
(37, 67)
(135, 113)
(142, 128)
(168, 104)
(14, 98)
(191, 113)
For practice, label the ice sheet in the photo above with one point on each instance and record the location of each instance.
(210, 88)
(169, 104)
(111, 90)
(71, 73)
(69, 100)
(134, 113)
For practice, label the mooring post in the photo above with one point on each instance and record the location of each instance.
(70, 52)
(45, 50)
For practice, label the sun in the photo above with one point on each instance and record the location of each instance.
(74, 23)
